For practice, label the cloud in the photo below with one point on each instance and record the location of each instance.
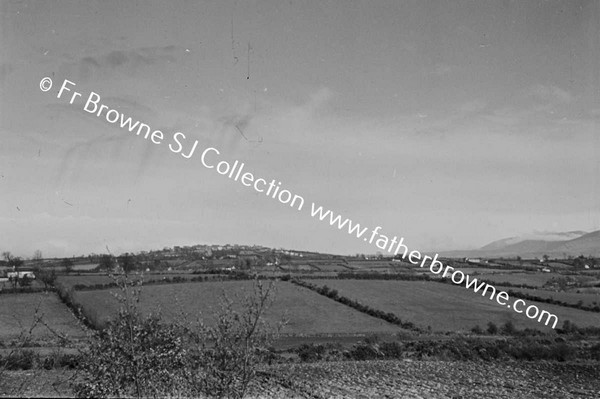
(470, 107)
(320, 98)
(5, 70)
(462, 114)
(551, 94)
(127, 62)
(440, 69)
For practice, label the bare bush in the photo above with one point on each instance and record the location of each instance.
(145, 357)
(233, 349)
(19, 357)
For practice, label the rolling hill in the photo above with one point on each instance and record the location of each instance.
(573, 243)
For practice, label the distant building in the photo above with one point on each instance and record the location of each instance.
(20, 275)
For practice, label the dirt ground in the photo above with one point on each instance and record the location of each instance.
(378, 379)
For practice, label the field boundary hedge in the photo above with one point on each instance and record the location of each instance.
(530, 297)
(333, 294)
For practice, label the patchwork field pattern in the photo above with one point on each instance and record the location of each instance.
(446, 307)
(570, 297)
(531, 279)
(307, 311)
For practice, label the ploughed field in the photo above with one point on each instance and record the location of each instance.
(447, 307)
(306, 311)
(435, 379)
(380, 379)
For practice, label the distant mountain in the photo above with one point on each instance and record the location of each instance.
(537, 236)
(572, 243)
(588, 244)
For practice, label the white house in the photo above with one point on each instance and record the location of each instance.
(20, 275)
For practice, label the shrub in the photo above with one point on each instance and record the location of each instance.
(61, 360)
(21, 359)
(477, 330)
(492, 328)
(508, 328)
(133, 357)
(364, 351)
(562, 352)
(311, 353)
(595, 352)
(392, 350)
(142, 356)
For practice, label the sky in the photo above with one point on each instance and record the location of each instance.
(451, 124)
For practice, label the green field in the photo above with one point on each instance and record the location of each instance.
(536, 279)
(379, 265)
(483, 270)
(17, 314)
(85, 267)
(571, 297)
(532, 279)
(446, 307)
(308, 312)
(298, 268)
(85, 279)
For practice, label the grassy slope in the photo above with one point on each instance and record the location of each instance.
(533, 279)
(446, 307)
(18, 310)
(571, 297)
(307, 311)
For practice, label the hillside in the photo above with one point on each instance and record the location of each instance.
(587, 244)
(538, 236)
(576, 243)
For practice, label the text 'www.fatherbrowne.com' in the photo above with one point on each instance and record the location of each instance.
(397, 246)
(178, 143)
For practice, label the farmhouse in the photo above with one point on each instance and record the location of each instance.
(20, 275)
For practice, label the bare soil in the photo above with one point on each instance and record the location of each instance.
(378, 379)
